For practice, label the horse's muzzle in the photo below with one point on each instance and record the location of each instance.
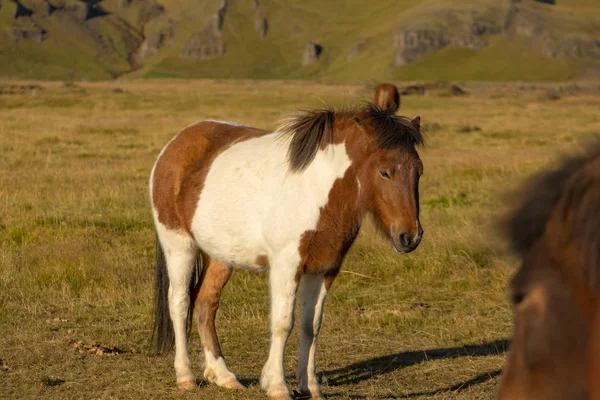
(405, 242)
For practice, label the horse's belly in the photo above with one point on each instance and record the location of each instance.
(232, 244)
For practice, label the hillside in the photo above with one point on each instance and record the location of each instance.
(294, 39)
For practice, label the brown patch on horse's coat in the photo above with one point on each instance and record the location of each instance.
(205, 298)
(181, 169)
(387, 96)
(262, 261)
(322, 250)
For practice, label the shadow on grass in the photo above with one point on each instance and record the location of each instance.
(459, 387)
(368, 369)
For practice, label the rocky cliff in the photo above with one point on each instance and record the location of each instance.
(553, 34)
(94, 39)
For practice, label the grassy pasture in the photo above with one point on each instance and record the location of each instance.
(77, 242)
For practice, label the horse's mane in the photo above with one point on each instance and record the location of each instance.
(573, 191)
(313, 129)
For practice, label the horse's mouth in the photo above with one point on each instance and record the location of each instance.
(400, 248)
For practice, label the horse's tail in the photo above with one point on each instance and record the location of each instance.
(162, 333)
(163, 337)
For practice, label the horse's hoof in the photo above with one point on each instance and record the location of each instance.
(187, 385)
(306, 395)
(233, 384)
(281, 397)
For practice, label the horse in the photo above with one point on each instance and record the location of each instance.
(290, 202)
(387, 96)
(555, 231)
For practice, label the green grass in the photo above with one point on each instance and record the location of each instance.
(77, 242)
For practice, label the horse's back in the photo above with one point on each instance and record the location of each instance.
(180, 170)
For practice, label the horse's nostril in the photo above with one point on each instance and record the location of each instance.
(405, 239)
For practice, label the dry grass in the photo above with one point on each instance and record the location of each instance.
(76, 242)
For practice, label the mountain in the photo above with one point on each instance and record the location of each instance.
(337, 40)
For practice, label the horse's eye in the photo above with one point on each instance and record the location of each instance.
(517, 298)
(384, 174)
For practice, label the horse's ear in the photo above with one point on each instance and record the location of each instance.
(416, 123)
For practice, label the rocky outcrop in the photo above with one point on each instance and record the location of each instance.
(312, 52)
(148, 9)
(537, 27)
(260, 22)
(451, 28)
(79, 10)
(208, 42)
(46, 9)
(548, 32)
(27, 32)
(22, 11)
(24, 27)
(154, 41)
(356, 49)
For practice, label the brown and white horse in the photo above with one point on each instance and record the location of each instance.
(555, 350)
(290, 202)
(387, 96)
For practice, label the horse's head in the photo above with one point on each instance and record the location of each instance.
(385, 164)
(389, 175)
(556, 233)
(387, 96)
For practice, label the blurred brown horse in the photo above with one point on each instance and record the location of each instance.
(387, 96)
(555, 351)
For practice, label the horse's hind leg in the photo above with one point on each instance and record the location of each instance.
(208, 291)
(180, 256)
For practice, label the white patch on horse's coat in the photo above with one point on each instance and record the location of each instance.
(252, 205)
(180, 254)
(358, 184)
(283, 285)
(215, 369)
(267, 208)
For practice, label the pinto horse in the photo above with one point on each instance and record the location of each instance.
(290, 202)
(387, 96)
(555, 350)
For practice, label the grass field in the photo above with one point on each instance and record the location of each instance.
(77, 242)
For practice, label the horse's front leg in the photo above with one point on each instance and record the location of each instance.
(312, 297)
(283, 285)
